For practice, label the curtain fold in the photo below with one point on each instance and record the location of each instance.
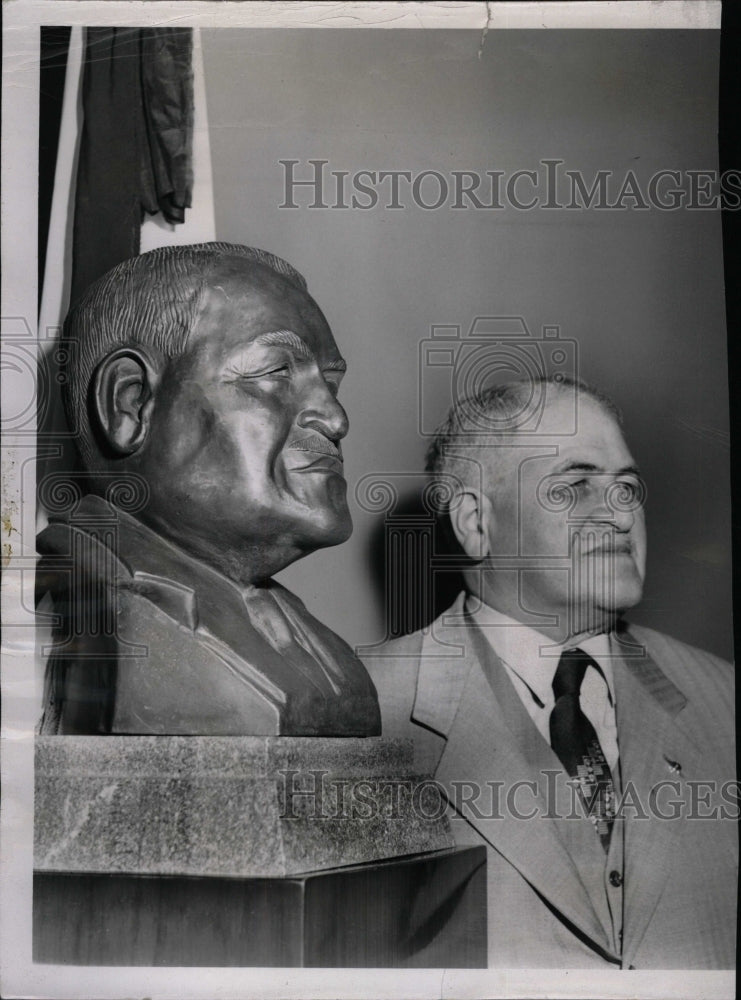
(167, 91)
(136, 145)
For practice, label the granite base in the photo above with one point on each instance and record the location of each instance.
(418, 912)
(234, 806)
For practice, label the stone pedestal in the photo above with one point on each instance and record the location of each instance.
(240, 806)
(248, 851)
(425, 911)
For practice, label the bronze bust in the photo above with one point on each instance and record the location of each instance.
(202, 381)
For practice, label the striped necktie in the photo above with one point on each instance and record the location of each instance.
(576, 745)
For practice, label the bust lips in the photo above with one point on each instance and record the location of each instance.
(315, 453)
(322, 463)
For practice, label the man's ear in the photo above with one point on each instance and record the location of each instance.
(471, 516)
(123, 394)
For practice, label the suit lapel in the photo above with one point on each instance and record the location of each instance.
(490, 738)
(653, 749)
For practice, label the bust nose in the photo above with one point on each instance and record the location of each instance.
(322, 412)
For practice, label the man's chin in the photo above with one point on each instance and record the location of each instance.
(617, 583)
(622, 599)
(628, 588)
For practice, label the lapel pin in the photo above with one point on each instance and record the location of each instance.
(674, 766)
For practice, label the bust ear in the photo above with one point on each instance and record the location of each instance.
(123, 394)
(471, 517)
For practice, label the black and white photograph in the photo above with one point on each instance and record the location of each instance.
(367, 536)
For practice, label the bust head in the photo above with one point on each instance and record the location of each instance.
(210, 372)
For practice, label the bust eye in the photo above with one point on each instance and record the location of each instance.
(278, 371)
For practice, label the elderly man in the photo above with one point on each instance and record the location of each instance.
(596, 763)
(202, 382)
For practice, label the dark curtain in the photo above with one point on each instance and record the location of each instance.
(136, 143)
(52, 74)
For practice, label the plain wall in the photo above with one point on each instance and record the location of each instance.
(640, 292)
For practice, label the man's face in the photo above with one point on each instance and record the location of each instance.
(574, 520)
(244, 453)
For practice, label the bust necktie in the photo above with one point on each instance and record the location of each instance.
(575, 743)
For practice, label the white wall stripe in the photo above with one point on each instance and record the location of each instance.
(301, 14)
(58, 266)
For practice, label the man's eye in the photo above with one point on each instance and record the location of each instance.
(333, 384)
(631, 488)
(626, 495)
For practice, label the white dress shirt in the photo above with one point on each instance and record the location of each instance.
(531, 659)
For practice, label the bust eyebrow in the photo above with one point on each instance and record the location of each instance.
(288, 338)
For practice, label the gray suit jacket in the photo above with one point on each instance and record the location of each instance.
(551, 900)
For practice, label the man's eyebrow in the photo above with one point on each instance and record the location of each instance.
(337, 365)
(575, 466)
(590, 467)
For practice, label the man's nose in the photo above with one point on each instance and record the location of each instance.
(322, 411)
(623, 520)
(614, 507)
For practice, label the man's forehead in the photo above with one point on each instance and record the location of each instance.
(564, 416)
(597, 441)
